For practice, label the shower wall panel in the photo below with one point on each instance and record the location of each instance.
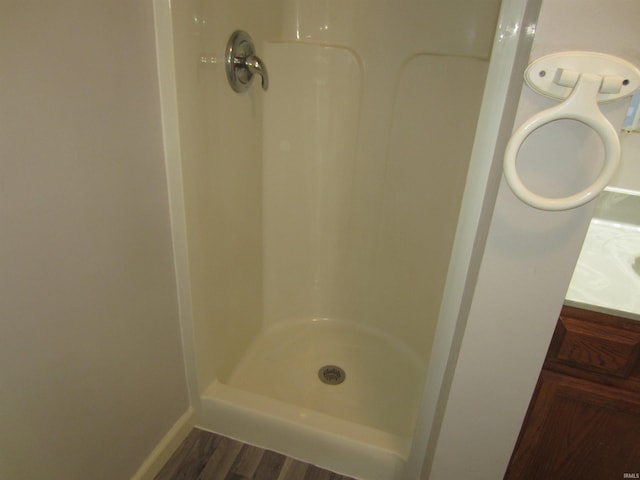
(311, 116)
(437, 103)
(197, 195)
(221, 150)
(365, 167)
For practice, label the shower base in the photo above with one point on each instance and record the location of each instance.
(361, 427)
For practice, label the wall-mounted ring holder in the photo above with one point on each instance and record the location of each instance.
(581, 80)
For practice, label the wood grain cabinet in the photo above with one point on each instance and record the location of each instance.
(584, 418)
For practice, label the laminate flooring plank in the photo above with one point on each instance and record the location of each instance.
(317, 473)
(222, 459)
(209, 456)
(270, 465)
(293, 470)
(245, 465)
(190, 458)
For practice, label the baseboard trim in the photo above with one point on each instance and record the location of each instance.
(165, 448)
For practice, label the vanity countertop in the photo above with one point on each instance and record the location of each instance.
(607, 276)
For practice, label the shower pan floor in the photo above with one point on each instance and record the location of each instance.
(382, 379)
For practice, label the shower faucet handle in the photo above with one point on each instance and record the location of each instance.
(242, 63)
(256, 66)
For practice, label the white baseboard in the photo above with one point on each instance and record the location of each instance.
(165, 448)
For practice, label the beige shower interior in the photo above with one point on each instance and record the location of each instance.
(321, 214)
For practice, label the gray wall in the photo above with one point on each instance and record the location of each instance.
(91, 374)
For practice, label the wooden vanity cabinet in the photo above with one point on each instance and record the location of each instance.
(584, 418)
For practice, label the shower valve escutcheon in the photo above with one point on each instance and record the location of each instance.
(242, 63)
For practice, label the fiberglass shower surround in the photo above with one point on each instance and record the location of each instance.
(320, 203)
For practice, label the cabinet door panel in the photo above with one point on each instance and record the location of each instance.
(578, 429)
(598, 347)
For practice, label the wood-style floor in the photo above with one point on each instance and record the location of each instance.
(208, 456)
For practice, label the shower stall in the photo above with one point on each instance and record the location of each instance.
(315, 214)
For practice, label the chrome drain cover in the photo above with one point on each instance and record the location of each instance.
(331, 375)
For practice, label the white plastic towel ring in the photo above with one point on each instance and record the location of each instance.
(582, 106)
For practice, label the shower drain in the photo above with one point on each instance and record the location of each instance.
(331, 375)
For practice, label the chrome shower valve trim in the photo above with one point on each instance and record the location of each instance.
(242, 63)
